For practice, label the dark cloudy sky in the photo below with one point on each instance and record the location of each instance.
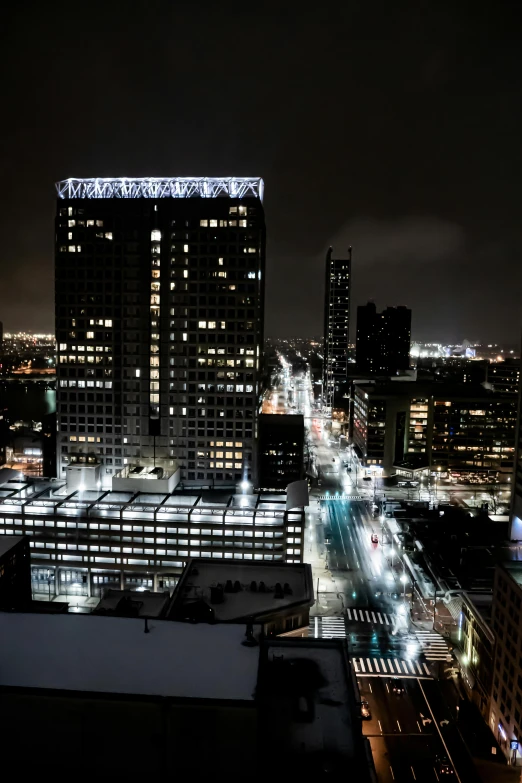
(393, 127)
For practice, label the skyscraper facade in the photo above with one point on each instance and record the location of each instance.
(159, 325)
(383, 339)
(336, 324)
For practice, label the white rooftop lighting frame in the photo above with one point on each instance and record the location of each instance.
(161, 187)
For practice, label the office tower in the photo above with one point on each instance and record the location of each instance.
(159, 325)
(336, 324)
(383, 339)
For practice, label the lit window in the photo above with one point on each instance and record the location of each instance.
(222, 274)
(232, 211)
(90, 335)
(108, 235)
(138, 373)
(69, 235)
(203, 223)
(183, 411)
(220, 262)
(242, 210)
(90, 222)
(63, 346)
(251, 275)
(185, 248)
(185, 273)
(72, 249)
(242, 223)
(232, 222)
(201, 324)
(185, 337)
(211, 324)
(171, 411)
(213, 223)
(154, 398)
(71, 223)
(108, 322)
(155, 236)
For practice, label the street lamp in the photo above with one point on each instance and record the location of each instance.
(404, 580)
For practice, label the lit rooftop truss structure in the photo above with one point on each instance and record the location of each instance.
(161, 187)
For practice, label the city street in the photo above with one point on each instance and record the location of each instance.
(364, 596)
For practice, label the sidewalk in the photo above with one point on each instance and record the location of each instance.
(328, 599)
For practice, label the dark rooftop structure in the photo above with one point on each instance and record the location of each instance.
(133, 603)
(277, 595)
(203, 698)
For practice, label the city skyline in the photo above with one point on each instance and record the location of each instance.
(417, 168)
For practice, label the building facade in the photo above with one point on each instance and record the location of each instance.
(462, 428)
(159, 325)
(505, 718)
(15, 573)
(383, 340)
(84, 541)
(281, 450)
(336, 324)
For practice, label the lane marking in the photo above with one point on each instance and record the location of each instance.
(391, 770)
(412, 772)
(440, 735)
(418, 724)
(348, 612)
(380, 727)
(399, 725)
(370, 687)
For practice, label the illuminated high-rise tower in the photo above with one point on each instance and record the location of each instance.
(159, 325)
(336, 324)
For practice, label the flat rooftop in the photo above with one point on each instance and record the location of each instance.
(133, 603)
(435, 389)
(309, 715)
(514, 569)
(202, 574)
(89, 653)
(51, 497)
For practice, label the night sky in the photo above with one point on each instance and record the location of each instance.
(391, 127)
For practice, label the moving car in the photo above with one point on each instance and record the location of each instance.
(365, 710)
(375, 538)
(443, 766)
(397, 686)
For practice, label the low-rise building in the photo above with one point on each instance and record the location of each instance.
(133, 603)
(278, 596)
(138, 698)
(84, 541)
(15, 572)
(475, 650)
(505, 718)
(463, 428)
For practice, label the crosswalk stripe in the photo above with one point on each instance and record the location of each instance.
(355, 665)
(380, 618)
(397, 665)
(405, 667)
(375, 663)
(369, 665)
(383, 664)
(367, 616)
(417, 664)
(361, 664)
(374, 618)
(348, 612)
(355, 613)
(426, 669)
(386, 619)
(412, 668)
